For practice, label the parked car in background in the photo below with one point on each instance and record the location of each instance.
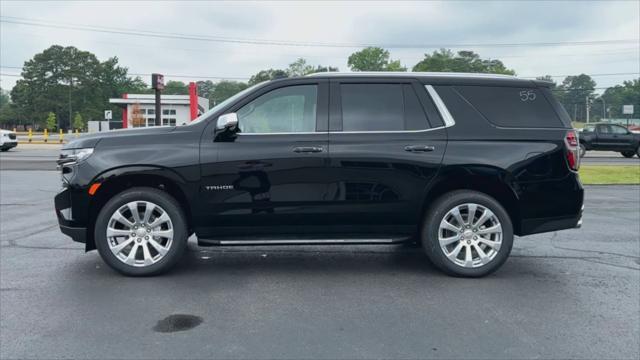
(459, 163)
(609, 137)
(634, 129)
(8, 140)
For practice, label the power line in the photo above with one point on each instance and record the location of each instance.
(196, 37)
(245, 78)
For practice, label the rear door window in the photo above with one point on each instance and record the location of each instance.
(512, 106)
(381, 107)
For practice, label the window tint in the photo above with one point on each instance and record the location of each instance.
(284, 110)
(512, 106)
(618, 130)
(604, 129)
(381, 107)
(589, 128)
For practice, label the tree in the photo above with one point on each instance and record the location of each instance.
(615, 97)
(137, 120)
(65, 80)
(445, 60)
(78, 122)
(301, 68)
(173, 87)
(373, 59)
(224, 90)
(573, 94)
(266, 75)
(51, 121)
(205, 88)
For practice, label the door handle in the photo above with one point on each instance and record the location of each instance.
(419, 148)
(308, 149)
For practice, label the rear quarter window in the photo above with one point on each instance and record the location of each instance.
(520, 107)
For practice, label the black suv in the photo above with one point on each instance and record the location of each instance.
(459, 163)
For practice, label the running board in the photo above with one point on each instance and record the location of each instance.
(258, 242)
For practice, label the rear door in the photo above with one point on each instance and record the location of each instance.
(622, 138)
(386, 143)
(270, 177)
(605, 138)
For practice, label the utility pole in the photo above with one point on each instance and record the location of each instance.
(604, 108)
(157, 83)
(586, 103)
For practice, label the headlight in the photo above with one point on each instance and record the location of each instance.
(74, 155)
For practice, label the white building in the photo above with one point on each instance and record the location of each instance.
(176, 109)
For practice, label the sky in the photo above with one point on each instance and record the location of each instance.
(326, 33)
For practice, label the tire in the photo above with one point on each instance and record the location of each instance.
(156, 252)
(638, 151)
(628, 154)
(459, 199)
(583, 150)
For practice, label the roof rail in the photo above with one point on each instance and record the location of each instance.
(409, 74)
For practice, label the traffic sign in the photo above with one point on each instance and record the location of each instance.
(627, 109)
(108, 114)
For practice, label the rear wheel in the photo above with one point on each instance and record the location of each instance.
(141, 232)
(628, 154)
(467, 233)
(638, 151)
(583, 150)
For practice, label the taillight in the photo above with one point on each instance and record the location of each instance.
(573, 152)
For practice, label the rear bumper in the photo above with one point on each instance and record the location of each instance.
(536, 226)
(561, 202)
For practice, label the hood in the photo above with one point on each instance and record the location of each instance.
(90, 140)
(2, 131)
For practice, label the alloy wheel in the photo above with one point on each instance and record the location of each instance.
(140, 233)
(470, 235)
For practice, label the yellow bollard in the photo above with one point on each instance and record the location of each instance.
(61, 136)
(46, 135)
(30, 134)
(76, 132)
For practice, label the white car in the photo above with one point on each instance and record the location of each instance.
(8, 140)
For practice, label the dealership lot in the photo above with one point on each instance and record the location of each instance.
(573, 293)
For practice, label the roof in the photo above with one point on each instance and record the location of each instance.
(439, 78)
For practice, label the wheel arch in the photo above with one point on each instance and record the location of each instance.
(117, 180)
(487, 181)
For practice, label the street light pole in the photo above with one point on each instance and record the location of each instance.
(604, 108)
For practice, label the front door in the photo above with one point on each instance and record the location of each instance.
(269, 179)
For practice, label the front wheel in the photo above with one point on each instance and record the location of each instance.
(468, 234)
(583, 150)
(141, 232)
(628, 154)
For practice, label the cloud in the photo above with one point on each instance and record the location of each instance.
(474, 22)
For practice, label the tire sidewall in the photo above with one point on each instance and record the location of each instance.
(583, 150)
(169, 204)
(432, 224)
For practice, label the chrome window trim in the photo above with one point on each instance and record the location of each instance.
(442, 108)
(286, 133)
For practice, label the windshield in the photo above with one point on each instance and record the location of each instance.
(224, 103)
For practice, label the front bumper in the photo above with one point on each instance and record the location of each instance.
(8, 145)
(65, 214)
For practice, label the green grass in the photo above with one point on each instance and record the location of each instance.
(609, 174)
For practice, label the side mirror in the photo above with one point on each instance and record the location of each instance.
(227, 122)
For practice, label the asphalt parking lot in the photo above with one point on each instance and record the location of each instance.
(569, 294)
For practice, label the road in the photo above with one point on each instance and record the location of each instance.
(43, 157)
(568, 294)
